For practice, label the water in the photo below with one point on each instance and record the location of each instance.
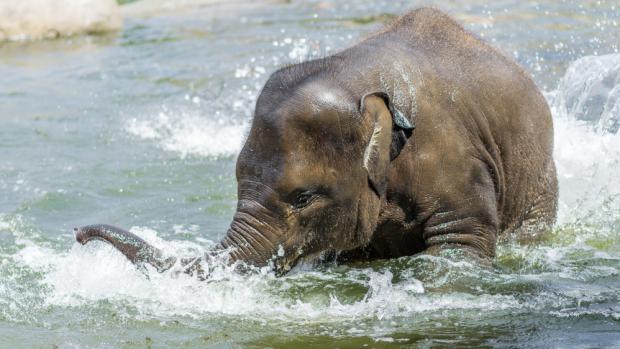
(141, 129)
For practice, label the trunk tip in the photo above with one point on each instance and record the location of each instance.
(77, 232)
(81, 235)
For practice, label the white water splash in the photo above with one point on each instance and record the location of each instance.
(590, 91)
(189, 134)
(99, 272)
(586, 109)
(587, 160)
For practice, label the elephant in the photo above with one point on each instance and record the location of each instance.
(421, 138)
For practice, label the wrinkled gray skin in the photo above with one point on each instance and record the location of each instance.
(332, 162)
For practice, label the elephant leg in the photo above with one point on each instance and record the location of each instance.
(464, 218)
(544, 210)
(537, 221)
(461, 233)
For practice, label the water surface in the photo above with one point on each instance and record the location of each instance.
(141, 129)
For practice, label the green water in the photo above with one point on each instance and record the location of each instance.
(141, 128)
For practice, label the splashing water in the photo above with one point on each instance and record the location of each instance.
(189, 134)
(158, 166)
(586, 109)
(368, 298)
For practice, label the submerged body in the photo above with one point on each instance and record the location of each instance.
(420, 138)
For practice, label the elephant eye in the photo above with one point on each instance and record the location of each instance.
(303, 199)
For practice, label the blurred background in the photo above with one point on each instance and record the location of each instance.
(132, 113)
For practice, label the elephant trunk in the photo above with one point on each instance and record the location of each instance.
(247, 240)
(133, 247)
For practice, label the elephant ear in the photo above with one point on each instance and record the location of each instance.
(390, 131)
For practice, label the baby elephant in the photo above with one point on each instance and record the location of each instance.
(420, 138)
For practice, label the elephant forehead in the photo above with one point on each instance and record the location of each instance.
(321, 130)
(314, 104)
(317, 108)
(327, 99)
(323, 93)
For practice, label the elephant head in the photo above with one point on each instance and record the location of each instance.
(312, 174)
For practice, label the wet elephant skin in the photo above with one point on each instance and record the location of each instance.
(420, 138)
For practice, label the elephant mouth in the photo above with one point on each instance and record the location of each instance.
(285, 262)
(282, 265)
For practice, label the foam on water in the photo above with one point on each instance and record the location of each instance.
(98, 272)
(588, 162)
